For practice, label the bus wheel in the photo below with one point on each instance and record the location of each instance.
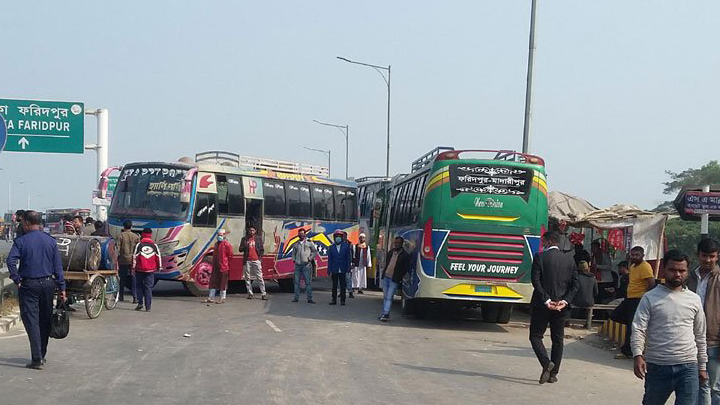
(490, 312)
(409, 307)
(195, 289)
(504, 313)
(287, 285)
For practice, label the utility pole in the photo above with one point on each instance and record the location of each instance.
(529, 85)
(101, 148)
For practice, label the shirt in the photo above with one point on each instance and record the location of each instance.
(252, 251)
(390, 269)
(39, 257)
(638, 276)
(126, 247)
(672, 325)
(702, 286)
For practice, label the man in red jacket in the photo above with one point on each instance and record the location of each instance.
(146, 261)
(221, 268)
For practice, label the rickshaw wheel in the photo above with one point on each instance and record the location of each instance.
(95, 297)
(112, 292)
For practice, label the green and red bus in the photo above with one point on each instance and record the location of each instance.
(472, 221)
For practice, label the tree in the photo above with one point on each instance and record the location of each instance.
(707, 174)
(685, 235)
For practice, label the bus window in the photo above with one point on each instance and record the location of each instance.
(351, 205)
(318, 202)
(222, 194)
(235, 201)
(345, 204)
(274, 193)
(298, 200)
(421, 191)
(205, 210)
(340, 197)
(328, 201)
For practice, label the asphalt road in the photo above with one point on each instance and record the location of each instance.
(278, 352)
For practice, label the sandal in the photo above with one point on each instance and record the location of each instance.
(207, 301)
(220, 302)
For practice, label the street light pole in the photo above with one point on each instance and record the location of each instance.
(387, 82)
(528, 88)
(321, 151)
(347, 142)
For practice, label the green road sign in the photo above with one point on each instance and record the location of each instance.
(112, 183)
(44, 126)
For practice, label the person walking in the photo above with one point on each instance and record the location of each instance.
(361, 262)
(126, 248)
(339, 259)
(705, 282)
(668, 338)
(39, 275)
(303, 255)
(397, 265)
(555, 279)
(251, 246)
(146, 261)
(222, 253)
(640, 280)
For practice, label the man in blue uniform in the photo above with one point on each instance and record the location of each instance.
(39, 275)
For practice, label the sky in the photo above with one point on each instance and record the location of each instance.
(624, 90)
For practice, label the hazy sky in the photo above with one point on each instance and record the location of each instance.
(623, 89)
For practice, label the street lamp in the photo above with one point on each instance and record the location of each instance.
(347, 147)
(529, 83)
(321, 151)
(387, 82)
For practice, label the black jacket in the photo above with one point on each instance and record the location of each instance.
(402, 266)
(258, 247)
(554, 277)
(587, 291)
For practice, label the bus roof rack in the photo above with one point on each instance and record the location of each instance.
(256, 163)
(429, 157)
(370, 178)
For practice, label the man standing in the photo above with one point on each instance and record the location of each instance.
(251, 246)
(39, 275)
(222, 253)
(339, 258)
(361, 262)
(640, 280)
(19, 231)
(146, 261)
(554, 277)
(397, 264)
(705, 282)
(303, 255)
(668, 338)
(126, 247)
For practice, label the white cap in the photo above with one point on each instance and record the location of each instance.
(221, 231)
(362, 235)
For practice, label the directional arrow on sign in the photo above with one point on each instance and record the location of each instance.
(23, 142)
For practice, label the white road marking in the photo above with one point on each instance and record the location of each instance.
(272, 325)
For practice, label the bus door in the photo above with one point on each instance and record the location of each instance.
(253, 191)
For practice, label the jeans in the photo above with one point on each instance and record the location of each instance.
(710, 392)
(36, 308)
(143, 284)
(661, 381)
(389, 288)
(126, 278)
(348, 280)
(306, 272)
(540, 318)
(338, 278)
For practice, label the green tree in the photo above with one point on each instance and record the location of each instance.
(707, 174)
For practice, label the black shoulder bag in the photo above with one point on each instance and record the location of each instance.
(60, 321)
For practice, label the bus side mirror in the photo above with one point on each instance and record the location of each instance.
(185, 197)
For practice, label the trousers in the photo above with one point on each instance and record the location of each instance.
(339, 278)
(305, 272)
(253, 270)
(144, 283)
(126, 279)
(36, 307)
(540, 318)
(661, 381)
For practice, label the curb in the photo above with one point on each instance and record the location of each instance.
(9, 321)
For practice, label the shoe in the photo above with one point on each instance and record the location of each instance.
(311, 302)
(622, 356)
(351, 295)
(295, 300)
(545, 376)
(147, 309)
(43, 361)
(384, 318)
(342, 303)
(139, 307)
(264, 297)
(134, 301)
(250, 296)
(35, 366)
(70, 309)
(331, 302)
(360, 292)
(552, 379)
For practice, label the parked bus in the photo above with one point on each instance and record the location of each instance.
(372, 198)
(186, 203)
(472, 221)
(54, 218)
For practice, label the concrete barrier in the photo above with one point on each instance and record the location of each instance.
(615, 331)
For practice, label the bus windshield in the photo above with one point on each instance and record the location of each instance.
(152, 190)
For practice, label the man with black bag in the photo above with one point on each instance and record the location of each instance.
(555, 279)
(40, 273)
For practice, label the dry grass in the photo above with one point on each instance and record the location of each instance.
(9, 306)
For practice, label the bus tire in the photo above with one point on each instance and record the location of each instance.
(504, 313)
(194, 289)
(287, 285)
(409, 307)
(490, 312)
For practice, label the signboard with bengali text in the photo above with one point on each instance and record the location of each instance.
(43, 126)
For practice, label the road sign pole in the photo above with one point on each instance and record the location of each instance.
(705, 219)
(101, 148)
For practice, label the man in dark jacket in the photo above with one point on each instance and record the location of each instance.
(339, 258)
(587, 291)
(554, 277)
(251, 246)
(397, 264)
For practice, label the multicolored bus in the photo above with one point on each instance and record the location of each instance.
(472, 220)
(54, 218)
(185, 203)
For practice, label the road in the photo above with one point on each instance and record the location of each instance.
(279, 352)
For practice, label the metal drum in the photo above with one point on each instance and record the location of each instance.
(79, 253)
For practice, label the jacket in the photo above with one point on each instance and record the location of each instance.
(244, 247)
(222, 255)
(554, 277)
(358, 252)
(304, 252)
(712, 304)
(339, 262)
(402, 266)
(126, 247)
(147, 256)
(587, 291)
